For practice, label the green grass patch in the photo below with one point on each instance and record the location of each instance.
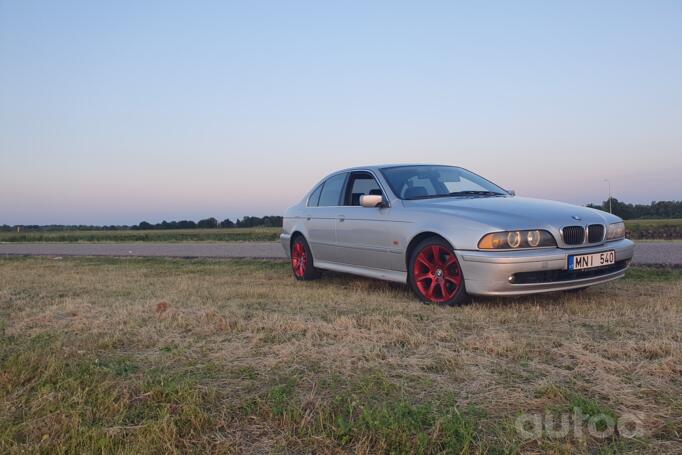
(644, 224)
(59, 401)
(590, 407)
(654, 229)
(376, 414)
(653, 274)
(160, 235)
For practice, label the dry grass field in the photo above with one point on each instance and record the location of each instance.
(177, 356)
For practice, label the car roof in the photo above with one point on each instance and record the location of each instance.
(380, 166)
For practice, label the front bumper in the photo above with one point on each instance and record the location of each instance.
(491, 272)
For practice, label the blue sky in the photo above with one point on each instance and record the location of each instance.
(114, 112)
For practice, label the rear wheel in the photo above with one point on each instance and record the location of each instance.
(302, 260)
(434, 273)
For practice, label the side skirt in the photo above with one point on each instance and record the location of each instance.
(380, 274)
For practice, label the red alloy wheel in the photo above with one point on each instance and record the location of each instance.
(299, 259)
(437, 274)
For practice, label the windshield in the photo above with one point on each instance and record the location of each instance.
(424, 182)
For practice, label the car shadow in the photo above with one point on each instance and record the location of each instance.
(371, 285)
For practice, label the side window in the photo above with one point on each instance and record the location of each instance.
(360, 183)
(314, 198)
(331, 190)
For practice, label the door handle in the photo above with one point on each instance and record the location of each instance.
(341, 218)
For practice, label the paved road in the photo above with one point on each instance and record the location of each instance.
(658, 253)
(184, 250)
(662, 253)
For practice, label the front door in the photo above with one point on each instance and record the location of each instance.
(364, 235)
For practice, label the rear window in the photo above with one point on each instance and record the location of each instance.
(331, 191)
(314, 198)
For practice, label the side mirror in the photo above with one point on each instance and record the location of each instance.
(372, 200)
(511, 192)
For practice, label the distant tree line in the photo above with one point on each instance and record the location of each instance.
(62, 227)
(207, 223)
(654, 210)
(212, 223)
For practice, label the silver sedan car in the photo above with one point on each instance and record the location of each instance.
(449, 233)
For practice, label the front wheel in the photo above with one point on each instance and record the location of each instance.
(434, 273)
(302, 260)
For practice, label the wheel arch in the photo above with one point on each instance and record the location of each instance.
(294, 235)
(417, 239)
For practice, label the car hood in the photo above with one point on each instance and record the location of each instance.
(513, 212)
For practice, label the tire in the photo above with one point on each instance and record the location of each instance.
(434, 273)
(302, 263)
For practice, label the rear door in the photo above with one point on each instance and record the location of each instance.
(364, 235)
(321, 215)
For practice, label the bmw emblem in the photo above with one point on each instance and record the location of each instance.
(576, 217)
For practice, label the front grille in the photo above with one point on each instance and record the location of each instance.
(554, 276)
(573, 235)
(595, 233)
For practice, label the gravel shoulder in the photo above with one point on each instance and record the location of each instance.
(646, 253)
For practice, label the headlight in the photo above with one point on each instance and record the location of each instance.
(615, 231)
(510, 240)
(533, 238)
(514, 239)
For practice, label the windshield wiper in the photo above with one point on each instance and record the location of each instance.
(457, 193)
(475, 193)
(427, 196)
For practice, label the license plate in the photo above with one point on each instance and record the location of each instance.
(588, 261)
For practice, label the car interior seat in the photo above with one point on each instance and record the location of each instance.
(414, 192)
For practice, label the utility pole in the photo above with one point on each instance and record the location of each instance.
(609, 182)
